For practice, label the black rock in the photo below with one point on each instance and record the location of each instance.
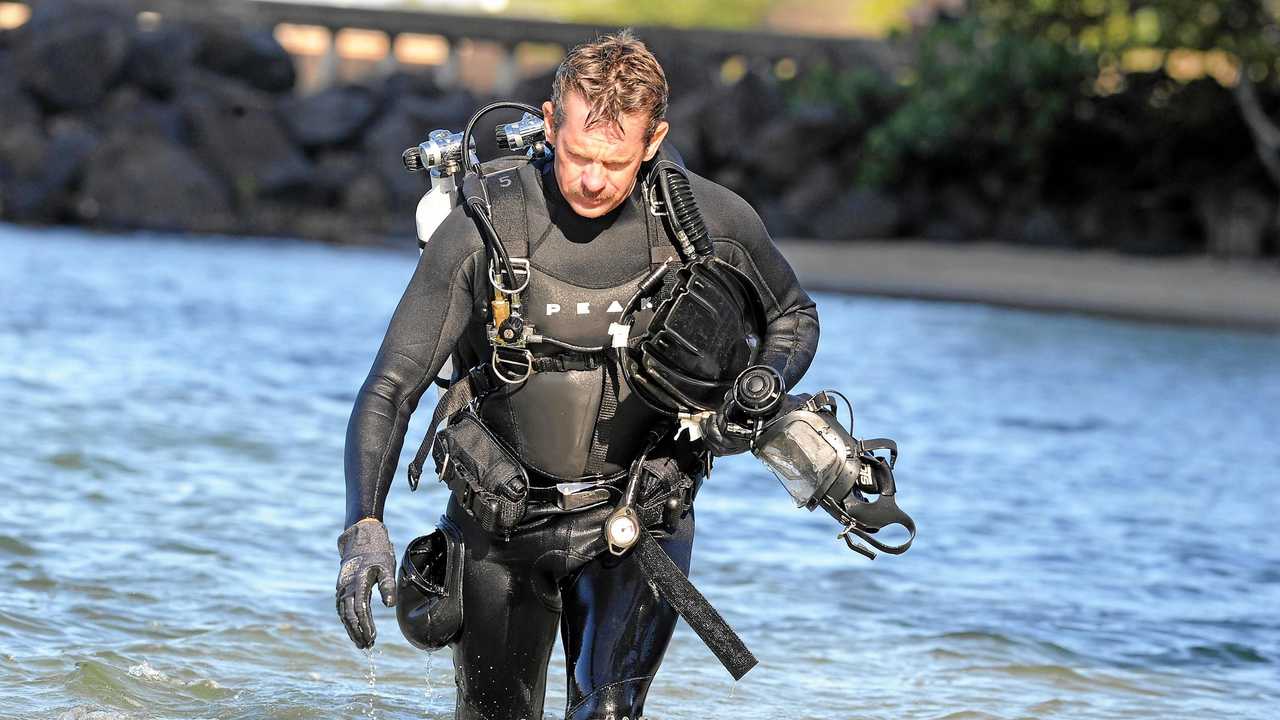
(236, 131)
(735, 114)
(16, 106)
(685, 134)
(1235, 220)
(329, 117)
(161, 57)
(963, 208)
(400, 82)
(407, 123)
(144, 181)
(252, 56)
(334, 171)
(1046, 227)
(41, 172)
(790, 145)
(815, 189)
(129, 109)
(859, 214)
(70, 53)
(367, 196)
(534, 90)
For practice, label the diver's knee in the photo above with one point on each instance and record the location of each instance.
(614, 701)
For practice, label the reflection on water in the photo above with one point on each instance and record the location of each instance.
(1096, 502)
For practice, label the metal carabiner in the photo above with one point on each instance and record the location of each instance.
(523, 358)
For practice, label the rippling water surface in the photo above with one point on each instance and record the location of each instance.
(1097, 503)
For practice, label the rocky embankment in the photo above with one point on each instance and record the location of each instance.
(175, 127)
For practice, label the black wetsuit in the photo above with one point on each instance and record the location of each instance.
(515, 592)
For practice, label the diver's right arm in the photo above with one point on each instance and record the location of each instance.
(431, 316)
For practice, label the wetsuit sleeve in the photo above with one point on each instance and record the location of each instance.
(740, 238)
(431, 316)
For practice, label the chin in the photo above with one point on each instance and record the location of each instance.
(592, 211)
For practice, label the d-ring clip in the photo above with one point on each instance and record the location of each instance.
(522, 359)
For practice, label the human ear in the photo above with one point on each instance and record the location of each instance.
(659, 133)
(548, 121)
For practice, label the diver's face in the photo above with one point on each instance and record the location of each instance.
(596, 168)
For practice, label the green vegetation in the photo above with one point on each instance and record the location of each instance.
(685, 13)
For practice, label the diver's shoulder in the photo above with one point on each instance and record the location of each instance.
(454, 241)
(725, 211)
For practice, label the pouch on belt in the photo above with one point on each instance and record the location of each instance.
(486, 479)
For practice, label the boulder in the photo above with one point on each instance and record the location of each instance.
(400, 82)
(329, 117)
(792, 144)
(146, 181)
(1047, 227)
(736, 114)
(71, 53)
(1236, 220)
(251, 56)
(684, 118)
(129, 109)
(160, 58)
(16, 106)
(22, 152)
(235, 130)
(407, 123)
(859, 213)
(366, 197)
(46, 169)
(334, 171)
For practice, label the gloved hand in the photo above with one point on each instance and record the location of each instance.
(367, 558)
(717, 437)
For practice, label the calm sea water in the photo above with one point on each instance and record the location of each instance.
(1097, 501)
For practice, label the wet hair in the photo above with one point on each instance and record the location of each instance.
(617, 76)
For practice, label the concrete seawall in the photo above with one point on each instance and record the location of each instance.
(1190, 290)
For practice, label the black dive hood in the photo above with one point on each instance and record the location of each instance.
(709, 320)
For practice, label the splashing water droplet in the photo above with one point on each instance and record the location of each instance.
(372, 677)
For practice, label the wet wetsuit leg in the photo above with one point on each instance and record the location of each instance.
(508, 628)
(615, 631)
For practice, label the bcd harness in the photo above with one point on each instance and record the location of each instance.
(495, 197)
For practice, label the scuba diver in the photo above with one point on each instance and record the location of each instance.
(598, 303)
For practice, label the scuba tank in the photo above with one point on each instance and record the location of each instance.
(440, 155)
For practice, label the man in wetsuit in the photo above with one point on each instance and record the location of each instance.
(589, 243)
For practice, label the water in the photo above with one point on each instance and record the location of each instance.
(1097, 504)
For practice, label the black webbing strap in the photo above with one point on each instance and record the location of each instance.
(505, 192)
(476, 383)
(661, 245)
(675, 588)
(604, 419)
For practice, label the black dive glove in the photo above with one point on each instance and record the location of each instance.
(367, 558)
(719, 438)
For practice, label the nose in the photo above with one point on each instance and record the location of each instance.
(593, 180)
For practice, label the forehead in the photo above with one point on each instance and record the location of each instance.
(602, 137)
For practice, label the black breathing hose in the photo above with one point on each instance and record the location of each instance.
(482, 210)
(682, 209)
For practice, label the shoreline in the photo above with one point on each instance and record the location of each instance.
(1188, 290)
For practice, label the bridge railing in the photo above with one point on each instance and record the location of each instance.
(508, 47)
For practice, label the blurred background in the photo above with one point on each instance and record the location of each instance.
(1095, 488)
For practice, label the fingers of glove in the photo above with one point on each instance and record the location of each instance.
(350, 620)
(387, 585)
